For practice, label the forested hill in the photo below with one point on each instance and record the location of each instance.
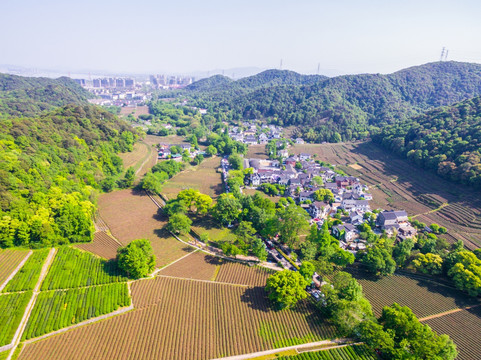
(29, 96)
(50, 168)
(351, 106)
(446, 140)
(265, 79)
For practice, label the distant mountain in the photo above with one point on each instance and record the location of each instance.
(268, 78)
(446, 140)
(213, 83)
(346, 107)
(31, 95)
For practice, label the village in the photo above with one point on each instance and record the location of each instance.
(318, 188)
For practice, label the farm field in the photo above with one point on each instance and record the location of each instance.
(204, 178)
(424, 297)
(136, 111)
(132, 215)
(103, 245)
(198, 266)
(26, 278)
(9, 260)
(222, 319)
(13, 307)
(395, 183)
(236, 273)
(354, 352)
(74, 268)
(57, 309)
(171, 139)
(464, 328)
(202, 266)
(256, 152)
(140, 151)
(4, 355)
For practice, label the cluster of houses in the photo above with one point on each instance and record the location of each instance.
(300, 176)
(249, 133)
(165, 151)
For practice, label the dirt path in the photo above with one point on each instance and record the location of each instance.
(147, 158)
(28, 310)
(448, 312)
(16, 270)
(335, 343)
(442, 206)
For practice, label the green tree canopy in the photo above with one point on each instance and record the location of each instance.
(285, 288)
(137, 258)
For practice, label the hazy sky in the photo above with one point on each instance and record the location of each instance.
(146, 36)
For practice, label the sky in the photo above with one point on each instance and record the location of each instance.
(182, 36)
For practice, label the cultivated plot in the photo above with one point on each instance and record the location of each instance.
(424, 297)
(204, 178)
(395, 183)
(464, 328)
(57, 309)
(9, 260)
(26, 278)
(187, 319)
(75, 268)
(132, 215)
(103, 245)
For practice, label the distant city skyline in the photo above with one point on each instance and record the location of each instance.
(188, 37)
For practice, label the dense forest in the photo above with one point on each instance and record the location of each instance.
(446, 140)
(28, 96)
(340, 108)
(53, 160)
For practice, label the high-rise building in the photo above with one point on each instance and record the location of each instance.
(129, 83)
(96, 83)
(119, 83)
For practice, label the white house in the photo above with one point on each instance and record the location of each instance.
(299, 141)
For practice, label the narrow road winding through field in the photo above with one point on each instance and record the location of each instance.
(29, 308)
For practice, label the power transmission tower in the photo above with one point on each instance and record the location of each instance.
(442, 54)
(318, 68)
(281, 65)
(446, 55)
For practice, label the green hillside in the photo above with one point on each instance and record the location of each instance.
(353, 105)
(50, 168)
(446, 140)
(27, 96)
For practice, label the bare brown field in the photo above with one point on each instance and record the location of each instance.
(9, 260)
(236, 273)
(464, 328)
(187, 319)
(204, 178)
(195, 266)
(140, 151)
(136, 111)
(396, 184)
(103, 245)
(171, 139)
(132, 215)
(256, 152)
